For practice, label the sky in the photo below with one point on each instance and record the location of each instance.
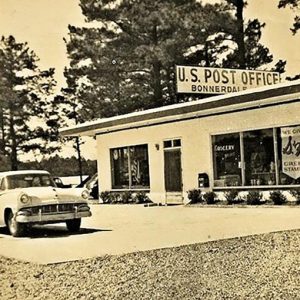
(44, 24)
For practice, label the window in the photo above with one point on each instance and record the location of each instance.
(31, 180)
(130, 167)
(257, 158)
(227, 156)
(172, 143)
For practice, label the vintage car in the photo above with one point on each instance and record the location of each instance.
(32, 197)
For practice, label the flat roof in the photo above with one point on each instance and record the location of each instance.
(251, 98)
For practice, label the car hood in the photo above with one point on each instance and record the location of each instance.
(53, 195)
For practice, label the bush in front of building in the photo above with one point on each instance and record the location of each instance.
(141, 197)
(195, 196)
(296, 194)
(254, 198)
(277, 197)
(232, 197)
(126, 197)
(210, 197)
(105, 196)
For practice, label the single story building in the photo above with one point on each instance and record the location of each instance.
(244, 140)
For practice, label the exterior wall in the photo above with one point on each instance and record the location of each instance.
(196, 146)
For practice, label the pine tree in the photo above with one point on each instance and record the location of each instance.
(295, 5)
(127, 63)
(25, 99)
(248, 53)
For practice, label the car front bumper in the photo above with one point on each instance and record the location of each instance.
(25, 217)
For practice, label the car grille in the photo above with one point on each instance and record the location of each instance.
(54, 208)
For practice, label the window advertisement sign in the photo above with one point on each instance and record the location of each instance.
(204, 80)
(291, 151)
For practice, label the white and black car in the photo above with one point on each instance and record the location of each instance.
(32, 197)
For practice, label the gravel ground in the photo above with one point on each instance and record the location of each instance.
(256, 267)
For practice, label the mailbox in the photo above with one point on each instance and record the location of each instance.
(203, 180)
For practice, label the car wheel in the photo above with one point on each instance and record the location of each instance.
(16, 229)
(73, 225)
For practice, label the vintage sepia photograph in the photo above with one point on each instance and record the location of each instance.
(149, 149)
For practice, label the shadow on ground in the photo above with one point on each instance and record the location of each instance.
(39, 231)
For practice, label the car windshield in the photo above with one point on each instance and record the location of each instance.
(31, 180)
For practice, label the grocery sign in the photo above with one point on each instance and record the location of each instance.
(204, 80)
(290, 151)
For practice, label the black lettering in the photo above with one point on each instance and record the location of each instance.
(232, 72)
(216, 76)
(224, 75)
(181, 74)
(251, 77)
(244, 78)
(207, 74)
(194, 75)
(276, 78)
(269, 78)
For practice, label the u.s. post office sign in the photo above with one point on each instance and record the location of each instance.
(204, 80)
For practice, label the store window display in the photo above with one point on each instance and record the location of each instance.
(227, 156)
(259, 157)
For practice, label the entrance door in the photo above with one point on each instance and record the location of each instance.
(173, 176)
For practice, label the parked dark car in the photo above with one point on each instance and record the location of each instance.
(91, 184)
(60, 184)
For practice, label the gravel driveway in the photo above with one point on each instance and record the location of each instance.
(264, 266)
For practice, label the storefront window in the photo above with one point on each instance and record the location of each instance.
(120, 172)
(130, 167)
(259, 157)
(227, 157)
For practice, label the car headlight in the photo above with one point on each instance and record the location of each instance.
(85, 194)
(25, 199)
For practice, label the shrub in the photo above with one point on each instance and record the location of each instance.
(126, 197)
(277, 197)
(115, 198)
(210, 197)
(232, 196)
(105, 196)
(254, 198)
(195, 195)
(296, 194)
(141, 197)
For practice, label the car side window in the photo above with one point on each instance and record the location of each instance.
(2, 184)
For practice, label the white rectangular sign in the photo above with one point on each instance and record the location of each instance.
(291, 151)
(202, 80)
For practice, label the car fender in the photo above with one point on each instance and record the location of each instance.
(8, 200)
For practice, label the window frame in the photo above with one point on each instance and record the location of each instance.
(276, 150)
(130, 184)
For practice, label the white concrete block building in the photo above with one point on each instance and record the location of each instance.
(245, 140)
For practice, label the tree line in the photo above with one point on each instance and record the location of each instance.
(124, 63)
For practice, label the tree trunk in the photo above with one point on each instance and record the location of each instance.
(240, 34)
(156, 64)
(2, 142)
(13, 156)
(79, 158)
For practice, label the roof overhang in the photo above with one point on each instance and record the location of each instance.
(254, 98)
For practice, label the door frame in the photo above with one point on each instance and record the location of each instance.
(175, 194)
